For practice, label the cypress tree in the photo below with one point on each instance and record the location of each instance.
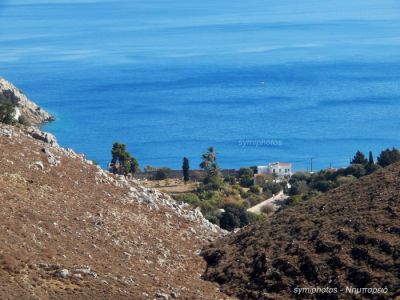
(371, 158)
(185, 169)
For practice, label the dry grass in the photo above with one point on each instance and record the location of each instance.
(63, 217)
(267, 209)
(172, 186)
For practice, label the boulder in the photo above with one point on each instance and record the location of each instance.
(42, 136)
(5, 132)
(63, 273)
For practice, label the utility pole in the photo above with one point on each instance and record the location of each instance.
(311, 159)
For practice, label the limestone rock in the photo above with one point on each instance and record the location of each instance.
(5, 132)
(63, 273)
(32, 112)
(42, 136)
(162, 296)
(52, 160)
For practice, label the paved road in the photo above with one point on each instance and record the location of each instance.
(275, 202)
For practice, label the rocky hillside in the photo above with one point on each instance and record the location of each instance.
(69, 230)
(349, 237)
(33, 114)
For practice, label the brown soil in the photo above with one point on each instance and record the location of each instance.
(64, 217)
(347, 237)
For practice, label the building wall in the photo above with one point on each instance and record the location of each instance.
(271, 169)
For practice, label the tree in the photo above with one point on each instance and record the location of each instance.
(246, 177)
(255, 189)
(122, 162)
(388, 157)
(7, 113)
(371, 158)
(245, 172)
(359, 159)
(185, 169)
(234, 216)
(273, 187)
(209, 162)
(246, 181)
(299, 188)
(371, 168)
(213, 183)
(323, 185)
(357, 170)
(134, 166)
(162, 173)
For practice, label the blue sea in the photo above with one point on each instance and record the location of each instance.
(260, 81)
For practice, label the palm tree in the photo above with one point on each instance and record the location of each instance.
(209, 162)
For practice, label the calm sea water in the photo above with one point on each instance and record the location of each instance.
(260, 80)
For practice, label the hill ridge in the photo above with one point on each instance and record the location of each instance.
(72, 230)
(348, 237)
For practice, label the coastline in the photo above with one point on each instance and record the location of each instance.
(24, 107)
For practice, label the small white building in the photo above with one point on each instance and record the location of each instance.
(280, 169)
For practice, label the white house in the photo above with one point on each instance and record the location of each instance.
(280, 169)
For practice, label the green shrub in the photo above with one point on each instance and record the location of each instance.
(234, 216)
(254, 200)
(371, 168)
(213, 183)
(190, 198)
(23, 120)
(323, 185)
(298, 188)
(230, 180)
(295, 200)
(7, 113)
(245, 172)
(267, 209)
(274, 188)
(214, 216)
(246, 181)
(254, 217)
(162, 173)
(345, 179)
(255, 189)
(245, 194)
(357, 170)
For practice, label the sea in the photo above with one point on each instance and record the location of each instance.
(259, 80)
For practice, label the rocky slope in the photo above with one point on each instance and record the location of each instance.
(69, 230)
(347, 237)
(32, 113)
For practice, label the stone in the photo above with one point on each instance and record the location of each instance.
(162, 296)
(5, 132)
(52, 160)
(174, 293)
(63, 273)
(42, 136)
(38, 165)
